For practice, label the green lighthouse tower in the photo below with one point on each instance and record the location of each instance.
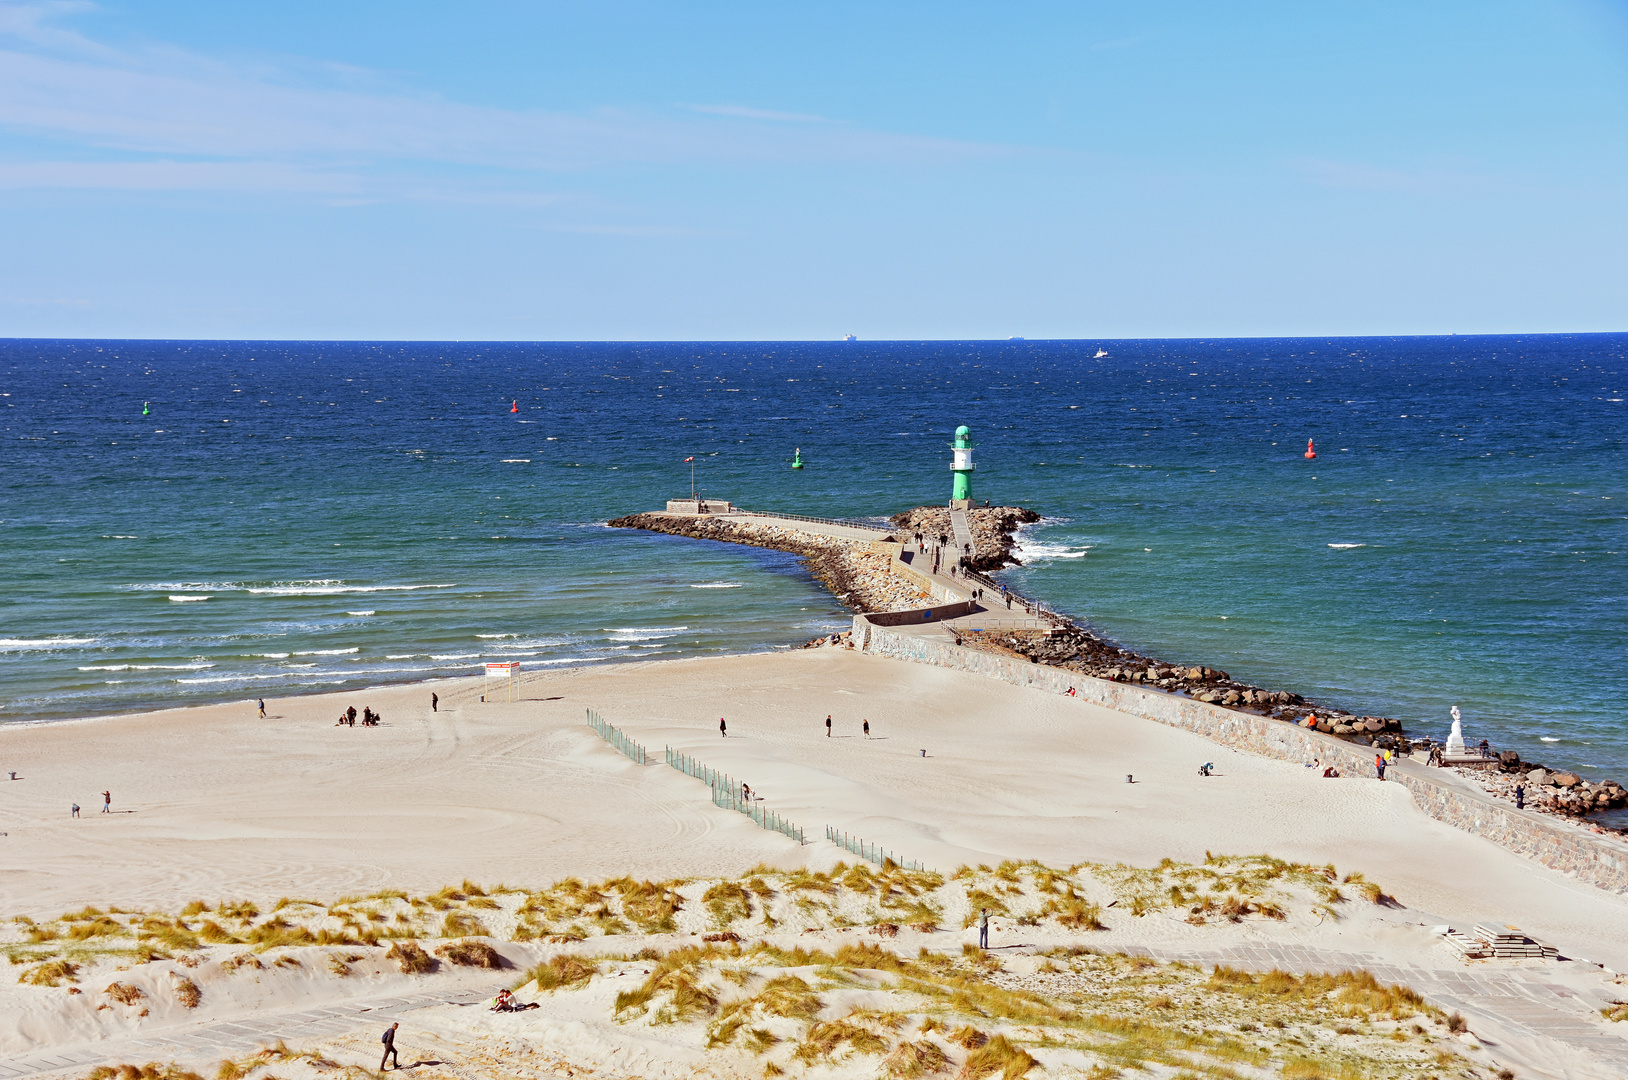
(961, 493)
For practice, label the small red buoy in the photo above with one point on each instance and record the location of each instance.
(1310, 453)
(516, 406)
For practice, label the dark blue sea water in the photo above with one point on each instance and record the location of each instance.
(296, 517)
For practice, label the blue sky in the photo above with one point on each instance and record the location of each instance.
(509, 170)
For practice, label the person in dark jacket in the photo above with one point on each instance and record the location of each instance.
(389, 1040)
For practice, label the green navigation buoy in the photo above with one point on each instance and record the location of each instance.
(961, 492)
(797, 459)
(145, 409)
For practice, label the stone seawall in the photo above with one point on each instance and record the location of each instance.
(1559, 845)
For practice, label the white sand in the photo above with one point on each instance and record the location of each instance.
(212, 803)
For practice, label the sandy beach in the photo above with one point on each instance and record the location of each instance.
(212, 802)
(318, 823)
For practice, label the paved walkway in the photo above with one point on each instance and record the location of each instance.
(963, 532)
(207, 1044)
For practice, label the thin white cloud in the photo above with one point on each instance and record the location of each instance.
(299, 127)
(758, 114)
(174, 176)
(1445, 179)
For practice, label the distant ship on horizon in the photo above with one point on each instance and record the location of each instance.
(1101, 352)
(849, 337)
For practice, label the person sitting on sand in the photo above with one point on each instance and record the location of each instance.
(504, 1002)
(1330, 771)
(1206, 768)
(746, 791)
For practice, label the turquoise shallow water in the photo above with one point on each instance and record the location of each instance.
(295, 517)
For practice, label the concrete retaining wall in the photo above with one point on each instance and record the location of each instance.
(1559, 845)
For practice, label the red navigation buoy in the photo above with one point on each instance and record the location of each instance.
(1310, 453)
(516, 406)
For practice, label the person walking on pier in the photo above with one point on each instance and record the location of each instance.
(1379, 764)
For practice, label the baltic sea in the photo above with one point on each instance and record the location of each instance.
(288, 518)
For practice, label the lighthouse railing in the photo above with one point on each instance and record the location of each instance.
(849, 523)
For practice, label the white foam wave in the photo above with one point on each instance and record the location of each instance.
(1033, 552)
(196, 666)
(272, 655)
(455, 656)
(19, 644)
(359, 614)
(335, 588)
(718, 585)
(1545, 738)
(493, 636)
(1342, 547)
(188, 599)
(185, 586)
(329, 652)
(517, 461)
(404, 656)
(572, 660)
(644, 629)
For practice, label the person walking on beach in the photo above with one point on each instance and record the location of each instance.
(75, 809)
(1520, 797)
(435, 703)
(867, 727)
(828, 726)
(262, 703)
(389, 1040)
(107, 802)
(983, 929)
(723, 728)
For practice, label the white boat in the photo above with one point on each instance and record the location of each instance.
(1100, 354)
(849, 337)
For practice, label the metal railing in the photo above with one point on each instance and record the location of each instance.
(869, 526)
(617, 738)
(1034, 607)
(871, 852)
(726, 792)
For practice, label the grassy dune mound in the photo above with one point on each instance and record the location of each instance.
(719, 967)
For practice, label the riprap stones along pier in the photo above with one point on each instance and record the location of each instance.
(855, 569)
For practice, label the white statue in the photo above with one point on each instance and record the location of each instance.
(1455, 739)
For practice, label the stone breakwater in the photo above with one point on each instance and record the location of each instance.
(859, 573)
(1564, 846)
(993, 529)
(856, 571)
